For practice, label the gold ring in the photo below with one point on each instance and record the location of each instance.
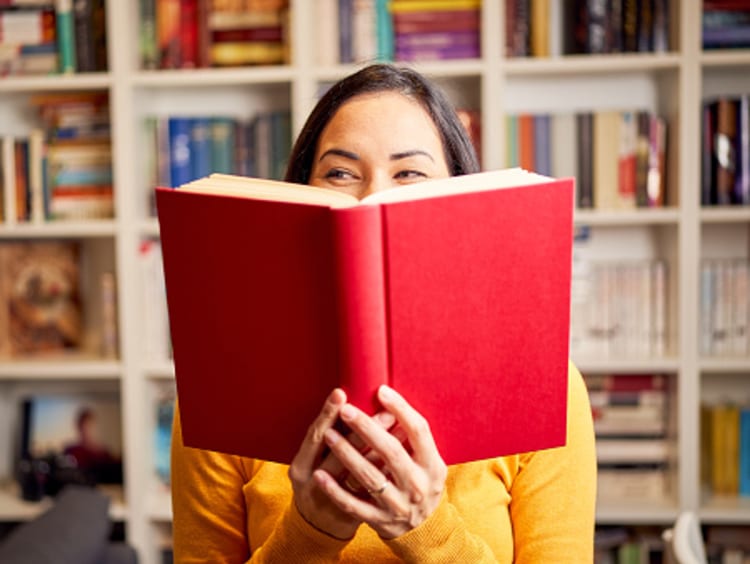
(380, 490)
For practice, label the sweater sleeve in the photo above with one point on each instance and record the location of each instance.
(210, 518)
(554, 492)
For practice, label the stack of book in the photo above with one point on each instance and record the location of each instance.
(179, 34)
(726, 24)
(725, 308)
(725, 448)
(631, 414)
(726, 151)
(76, 158)
(619, 158)
(436, 29)
(48, 36)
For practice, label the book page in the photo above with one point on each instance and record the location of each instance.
(272, 190)
(481, 181)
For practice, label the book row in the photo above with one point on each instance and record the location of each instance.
(399, 30)
(619, 158)
(179, 34)
(726, 151)
(724, 307)
(41, 306)
(63, 169)
(191, 147)
(725, 448)
(619, 309)
(549, 28)
(48, 37)
(726, 24)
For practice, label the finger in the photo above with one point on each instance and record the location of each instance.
(355, 507)
(389, 448)
(313, 442)
(412, 422)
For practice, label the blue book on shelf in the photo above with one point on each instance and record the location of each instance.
(745, 451)
(180, 169)
(200, 146)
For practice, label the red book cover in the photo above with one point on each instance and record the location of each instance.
(459, 300)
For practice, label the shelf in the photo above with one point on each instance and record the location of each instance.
(13, 508)
(726, 365)
(592, 64)
(149, 227)
(57, 82)
(58, 229)
(725, 58)
(156, 370)
(718, 509)
(642, 216)
(623, 366)
(215, 77)
(441, 69)
(62, 367)
(159, 506)
(640, 512)
(725, 214)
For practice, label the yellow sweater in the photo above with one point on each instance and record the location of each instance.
(534, 507)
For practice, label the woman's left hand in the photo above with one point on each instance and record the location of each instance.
(405, 489)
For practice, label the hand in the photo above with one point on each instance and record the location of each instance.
(314, 505)
(405, 488)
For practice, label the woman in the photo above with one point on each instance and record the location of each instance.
(366, 497)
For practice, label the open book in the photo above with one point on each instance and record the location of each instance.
(455, 292)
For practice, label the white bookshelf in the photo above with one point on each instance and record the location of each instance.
(673, 84)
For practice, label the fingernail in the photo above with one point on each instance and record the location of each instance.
(386, 393)
(385, 418)
(347, 412)
(331, 436)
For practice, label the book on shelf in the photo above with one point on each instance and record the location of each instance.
(724, 307)
(618, 156)
(180, 34)
(455, 291)
(40, 304)
(725, 25)
(725, 444)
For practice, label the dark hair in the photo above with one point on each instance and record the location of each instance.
(459, 151)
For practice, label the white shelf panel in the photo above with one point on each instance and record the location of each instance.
(592, 64)
(60, 367)
(725, 58)
(643, 216)
(13, 508)
(725, 214)
(159, 506)
(725, 365)
(90, 81)
(149, 227)
(719, 509)
(624, 366)
(58, 229)
(442, 69)
(637, 512)
(156, 370)
(217, 77)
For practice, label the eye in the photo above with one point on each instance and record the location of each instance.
(339, 174)
(410, 175)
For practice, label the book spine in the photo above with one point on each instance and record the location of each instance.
(363, 344)
(147, 34)
(65, 35)
(179, 151)
(745, 452)
(724, 143)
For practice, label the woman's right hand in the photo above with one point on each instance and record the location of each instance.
(312, 503)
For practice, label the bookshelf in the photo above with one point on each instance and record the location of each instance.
(673, 83)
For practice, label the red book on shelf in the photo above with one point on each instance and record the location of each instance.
(455, 292)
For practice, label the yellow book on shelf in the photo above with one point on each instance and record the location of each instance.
(434, 5)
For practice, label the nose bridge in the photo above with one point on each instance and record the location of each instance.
(377, 181)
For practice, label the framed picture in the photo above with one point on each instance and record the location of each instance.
(77, 430)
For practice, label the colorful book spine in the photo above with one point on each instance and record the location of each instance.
(66, 40)
(744, 471)
(180, 171)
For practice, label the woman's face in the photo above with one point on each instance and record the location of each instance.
(375, 142)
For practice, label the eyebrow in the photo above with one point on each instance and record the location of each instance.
(393, 156)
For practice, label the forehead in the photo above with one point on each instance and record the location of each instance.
(380, 113)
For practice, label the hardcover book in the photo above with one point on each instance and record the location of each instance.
(455, 292)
